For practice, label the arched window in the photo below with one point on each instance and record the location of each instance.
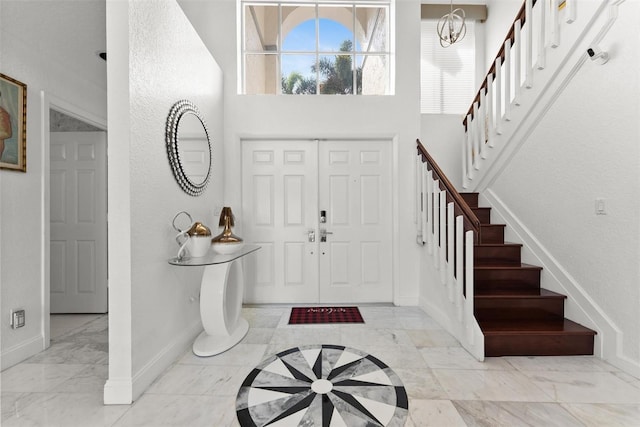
(316, 48)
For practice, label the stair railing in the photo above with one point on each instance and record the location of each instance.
(531, 45)
(449, 229)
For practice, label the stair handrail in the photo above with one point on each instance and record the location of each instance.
(458, 201)
(521, 16)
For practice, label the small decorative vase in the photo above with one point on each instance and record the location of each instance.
(226, 242)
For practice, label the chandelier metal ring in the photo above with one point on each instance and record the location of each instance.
(452, 27)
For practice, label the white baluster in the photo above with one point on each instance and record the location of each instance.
(481, 118)
(507, 79)
(469, 286)
(443, 236)
(542, 25)
(498, 98)
(554, 24)
(428, 218)
(436, 223)
(420, 198)
(528, 38)
(570, 6)
(451, 230)
(517, 46)
(490, 102)
(465, 155)
(477, 148)
(459, 264)
(469, 149)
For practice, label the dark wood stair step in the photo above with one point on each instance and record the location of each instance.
(471, 199)
(560, 337)
(483, 214)
(528, 275)
(492, 233)
(493, 253)
(519, 306)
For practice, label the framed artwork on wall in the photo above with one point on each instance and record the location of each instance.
(13, 124)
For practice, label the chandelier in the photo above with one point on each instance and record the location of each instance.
(451, 27)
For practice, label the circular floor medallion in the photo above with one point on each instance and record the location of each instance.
(322, 386)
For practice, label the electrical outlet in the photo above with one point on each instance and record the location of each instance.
(17, 319)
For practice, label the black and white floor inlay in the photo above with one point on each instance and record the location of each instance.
(322, 386)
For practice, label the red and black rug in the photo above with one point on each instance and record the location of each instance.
(302, 315)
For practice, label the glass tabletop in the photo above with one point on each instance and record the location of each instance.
(214, 258)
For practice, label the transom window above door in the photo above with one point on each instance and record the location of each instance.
(310, 48)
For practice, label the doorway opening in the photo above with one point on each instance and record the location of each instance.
(75, 193)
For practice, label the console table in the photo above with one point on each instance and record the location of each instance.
(221, 293)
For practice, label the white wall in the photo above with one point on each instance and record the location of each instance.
(155, 59)
(326, 116)
(586, 147)
(23, 274)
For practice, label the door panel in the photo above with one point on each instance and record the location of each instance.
(355, 190)
(279, 200)
(78, 215)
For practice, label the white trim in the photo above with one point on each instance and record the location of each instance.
(21, 351)
(608, 343)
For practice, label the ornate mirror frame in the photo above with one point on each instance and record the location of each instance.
(176, 113)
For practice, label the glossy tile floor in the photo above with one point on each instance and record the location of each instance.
(446, 387)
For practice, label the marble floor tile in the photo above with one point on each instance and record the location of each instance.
(292, 337)
(69, 352)
(585, 387)
(432, 338)
(358, 337)
(258, 336)
(68, 410)
(459, 358)
(240, 355)
(404, 356)
(478, 413)
(89, 380)
(62, 324)
(434, 413)
(194, 380)
(420, 383)
(467, 384)
(161, 410)
(17, 403)
(559, 363)
(31, 377)
(597, 415)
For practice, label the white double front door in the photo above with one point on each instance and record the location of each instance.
(322, 213)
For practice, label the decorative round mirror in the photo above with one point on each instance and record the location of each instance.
(188, 147)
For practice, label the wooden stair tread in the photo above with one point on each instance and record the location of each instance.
(518, 293)
(534, 327)
(506, 266)
(497, 245)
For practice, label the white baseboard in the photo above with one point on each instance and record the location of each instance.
(406, 301)
(117, 391)
(21, 351)
(167, 356)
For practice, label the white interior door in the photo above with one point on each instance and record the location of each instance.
(279, 205)
(78, 222)
(355, 193)
(285, 186)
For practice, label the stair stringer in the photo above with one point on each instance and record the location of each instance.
(435, 301)
(562, 64)
(579, 306)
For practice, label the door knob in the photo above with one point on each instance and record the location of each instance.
(323, 234)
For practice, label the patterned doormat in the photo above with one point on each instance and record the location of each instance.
(301, 315)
